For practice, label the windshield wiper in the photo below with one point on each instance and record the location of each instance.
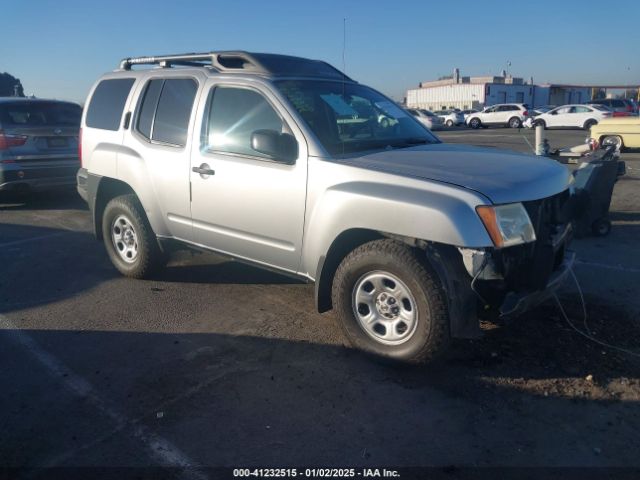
(409, 142)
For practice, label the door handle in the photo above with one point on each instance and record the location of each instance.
(204, 170)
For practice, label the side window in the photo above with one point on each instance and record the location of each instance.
(582, 109)
(234, 114)
(174, 110)
(107, 103)
(165, 110)
(148, 107)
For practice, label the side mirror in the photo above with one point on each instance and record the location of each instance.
(280, 146)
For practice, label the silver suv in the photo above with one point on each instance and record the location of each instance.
(285, 163)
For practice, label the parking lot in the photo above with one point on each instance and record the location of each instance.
(215, 363)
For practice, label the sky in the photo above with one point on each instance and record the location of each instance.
(58, 49)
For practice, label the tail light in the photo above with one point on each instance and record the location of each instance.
(8, 141)
(525, 113)
(80, 147)
(629, 108)
(617, 114)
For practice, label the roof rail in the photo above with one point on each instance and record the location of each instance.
(245, 62)
(222, 61)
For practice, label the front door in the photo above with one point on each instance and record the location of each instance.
(246, 203)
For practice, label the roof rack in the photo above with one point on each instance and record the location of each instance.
(245, 62)
(222, 61)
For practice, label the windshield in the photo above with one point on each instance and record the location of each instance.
(350, 118)
(427, 113)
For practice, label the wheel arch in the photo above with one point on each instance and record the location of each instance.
(328, 264)
(107, 189)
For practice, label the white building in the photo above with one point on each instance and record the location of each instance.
(477, 92)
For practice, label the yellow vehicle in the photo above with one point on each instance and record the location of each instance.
(623, 132)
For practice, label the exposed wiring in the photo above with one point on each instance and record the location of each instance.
(473, 281)
(585, 323)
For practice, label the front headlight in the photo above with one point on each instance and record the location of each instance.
(507, 225)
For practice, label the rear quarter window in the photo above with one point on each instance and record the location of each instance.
(107, 103)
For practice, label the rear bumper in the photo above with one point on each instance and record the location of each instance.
(516, 304)
(82, 183)
(14, 176)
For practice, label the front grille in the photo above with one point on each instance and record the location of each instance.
(529, 266)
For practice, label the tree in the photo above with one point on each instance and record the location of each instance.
(10, 86)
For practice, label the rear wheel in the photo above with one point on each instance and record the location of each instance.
(540, 123)
(475, 123)
(390, 303)
(515, 122)
(130, 242)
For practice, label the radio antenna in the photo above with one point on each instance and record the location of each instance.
(344, 63)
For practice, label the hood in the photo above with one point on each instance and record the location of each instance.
(500, 175)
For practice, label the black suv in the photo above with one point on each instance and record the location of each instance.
(38, 143)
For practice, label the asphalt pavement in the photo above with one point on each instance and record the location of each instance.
(215, 363)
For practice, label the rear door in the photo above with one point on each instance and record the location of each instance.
(40, 134)
(581, 114)
(503, 113)
(156, 156)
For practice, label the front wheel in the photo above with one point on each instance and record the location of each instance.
(390, 303)
(130, 242)
(475, 123)
(449, 123)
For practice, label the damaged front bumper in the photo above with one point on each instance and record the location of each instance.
(516, 303)
(512, 280)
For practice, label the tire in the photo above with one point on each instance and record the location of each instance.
(601, 227)
(475, 123)
(540, 122)
(130, 242)
(449, 123)
(515, 122)
(386, 274)
(612, 140)
(588, 124)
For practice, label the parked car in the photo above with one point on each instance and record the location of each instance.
(571, 116)
(38, 143)
(623, 132)
(507, 115)
(248, 155)
(427, 118)
(450, 117)
(468, 112)
(616, 104)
